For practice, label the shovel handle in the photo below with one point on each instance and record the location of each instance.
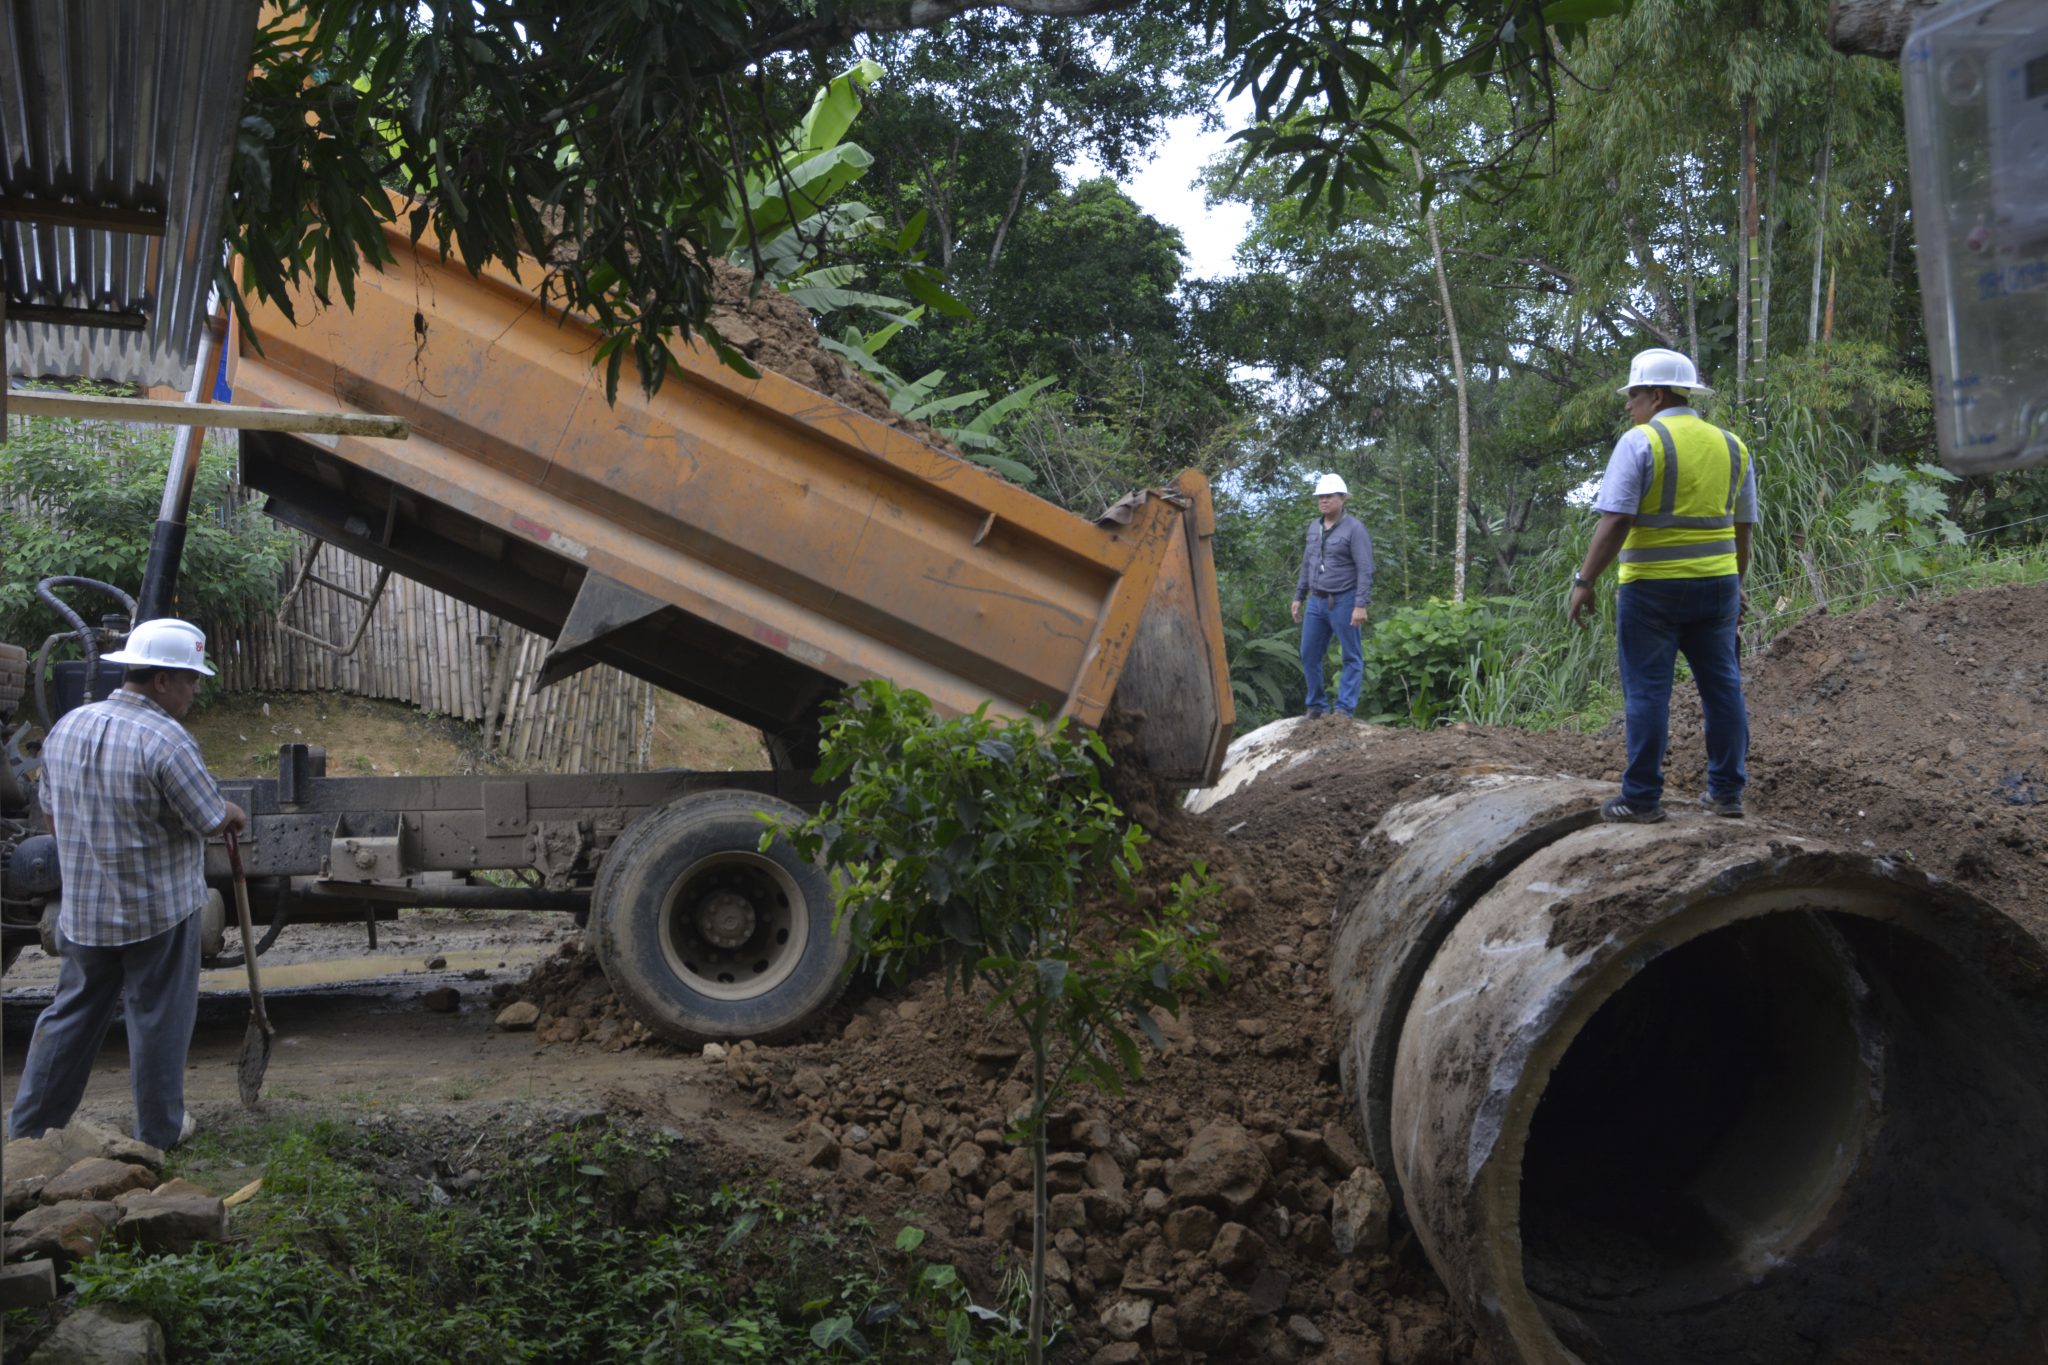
(248, 933)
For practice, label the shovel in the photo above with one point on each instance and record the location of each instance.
(255, 1058)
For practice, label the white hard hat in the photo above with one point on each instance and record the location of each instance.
(164, 643)
(1658, 368)
(1330, 483)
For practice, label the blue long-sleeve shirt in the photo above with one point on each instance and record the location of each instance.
(1337, 559)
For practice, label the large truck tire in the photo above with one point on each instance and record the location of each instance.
(13, 678)
(707, 938)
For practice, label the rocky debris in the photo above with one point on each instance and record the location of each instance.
(98, 1199)
(63, 1233)
(442, 1000)
(1223, 1168)
(170, 1221)
(28, 1284)
(519, 1016)
(571, 1002)
(96, 1178)
(1361, 1211)
(103, 1334)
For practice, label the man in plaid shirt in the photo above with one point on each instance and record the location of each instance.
(131, 804)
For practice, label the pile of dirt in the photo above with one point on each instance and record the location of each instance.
(775, 332)
(1203, 1210)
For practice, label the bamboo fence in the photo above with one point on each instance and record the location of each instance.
(447, 658)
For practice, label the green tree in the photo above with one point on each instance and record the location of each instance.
(993, 842)
(81, 499)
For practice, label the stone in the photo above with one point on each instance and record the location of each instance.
(1360, 1210)
(910, 1137)
(1211, 1316)
(1252, 1028)
(1306, 1145)
(714, 1052)
(1191, 1229)
(61, 1232)
(809, 1081)
(172, 1224)
(1118, 1353)
(858, 1029)
(97, 1178)
(103, 1334)
(1124, 1318)
(1305, 1332)
(28, 1284)
(967, 1160)
(1154, 1202)
(1419, 1334)
(854, 1166)
(519, 1017)
(1343, 1154)
(1137, 1282)
(1312, 1238)
(1070, 1244)
(1222, 1168)
(856, 1134)
(902, 1165)
(821, 1149)
(1166, 1328)
(1002, 1211)
(1103, 1173)
(1057, 1271)
(19, 1196)
(1066, 1211)
(936, 1183)
(1236, 1246)
(1177, 1031)
(436, 963)
(1066, 1172)
(442, 1000)
(1350, 1350)
(1269, 1291)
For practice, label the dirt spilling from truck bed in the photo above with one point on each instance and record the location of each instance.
(1200, 1211)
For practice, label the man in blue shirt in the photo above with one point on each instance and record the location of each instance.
(1331, 594)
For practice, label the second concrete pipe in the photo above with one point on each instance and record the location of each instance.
(1702, 1091)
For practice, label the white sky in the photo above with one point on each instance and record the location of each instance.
(1165, 188)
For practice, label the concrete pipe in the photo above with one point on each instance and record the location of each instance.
(1700, 1091)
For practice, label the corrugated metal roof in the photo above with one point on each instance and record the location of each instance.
(118, 105)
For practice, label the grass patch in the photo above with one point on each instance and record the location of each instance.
(598, 1244)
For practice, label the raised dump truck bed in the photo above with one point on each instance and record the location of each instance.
(748, 544)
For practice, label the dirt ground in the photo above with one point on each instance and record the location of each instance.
(1917, 728)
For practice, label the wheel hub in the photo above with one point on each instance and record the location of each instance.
(726, 919)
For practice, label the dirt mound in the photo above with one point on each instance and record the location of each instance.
(1917, 728)
(775, 332)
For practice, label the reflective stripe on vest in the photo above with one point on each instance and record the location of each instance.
(1686, 511)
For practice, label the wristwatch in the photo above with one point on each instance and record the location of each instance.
(1579, 582)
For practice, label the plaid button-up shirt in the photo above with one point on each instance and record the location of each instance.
(132, 803)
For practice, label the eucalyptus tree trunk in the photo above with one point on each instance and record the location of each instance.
(1692, 265)
(1820, 229)
(1038, 1203)
(1763, 310)
(1745, 246)
(1443, 294)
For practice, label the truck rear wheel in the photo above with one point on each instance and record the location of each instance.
(706, 937)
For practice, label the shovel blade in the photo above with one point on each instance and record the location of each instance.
(253, 1062)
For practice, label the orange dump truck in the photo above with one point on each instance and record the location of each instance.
(748, 544)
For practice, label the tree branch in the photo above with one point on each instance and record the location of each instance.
(1873, 28)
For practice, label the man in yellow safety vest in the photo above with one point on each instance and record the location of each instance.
(1676, 507)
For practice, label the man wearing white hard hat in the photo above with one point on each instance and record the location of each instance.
(1676, 509)
(1331, 594)
(131, 804)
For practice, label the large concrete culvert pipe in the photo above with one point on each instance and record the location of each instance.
(1702, 1091)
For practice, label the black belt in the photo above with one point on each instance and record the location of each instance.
(1326, 596)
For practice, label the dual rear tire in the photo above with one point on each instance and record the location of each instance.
(706, 936)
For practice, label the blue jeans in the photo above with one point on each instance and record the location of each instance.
(156, 984)
(1320, 619)
(1656, 620)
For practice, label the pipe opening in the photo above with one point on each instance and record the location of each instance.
(1801, 1127)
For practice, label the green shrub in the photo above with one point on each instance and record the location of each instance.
(82, 498)
(1421, 658)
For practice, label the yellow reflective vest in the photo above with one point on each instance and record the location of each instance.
(1685, 525)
